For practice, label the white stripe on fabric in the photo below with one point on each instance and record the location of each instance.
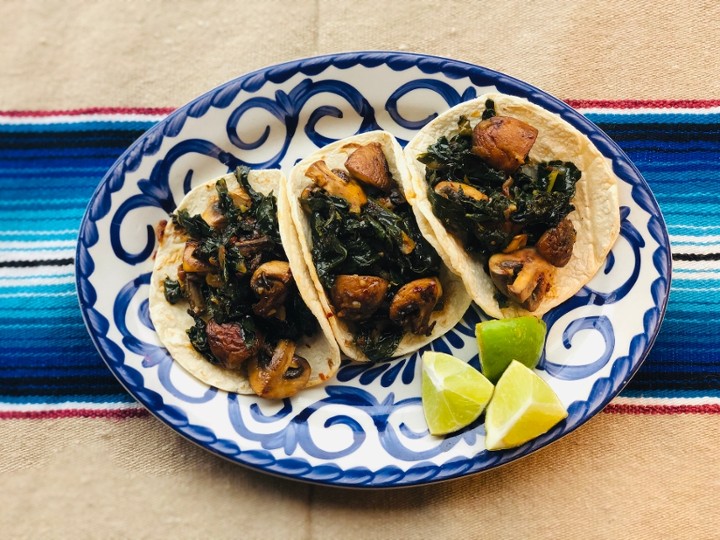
(34, 281)
(689, 239)
(32, 245)
(24, 272)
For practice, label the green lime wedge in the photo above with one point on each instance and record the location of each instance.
(454, 394)
(500, 341)
(522, 408)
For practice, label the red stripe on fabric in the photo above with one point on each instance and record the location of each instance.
(643, 103)
(90, 110)
(74, 413)
(577, 103)
(709, 408)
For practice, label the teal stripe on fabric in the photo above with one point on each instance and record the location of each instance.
(81, 127)
(118, 398)
(691, 118)
(37, 236)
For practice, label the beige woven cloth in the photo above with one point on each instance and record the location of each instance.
(620, 476)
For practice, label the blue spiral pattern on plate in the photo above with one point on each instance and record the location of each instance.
(283, 451)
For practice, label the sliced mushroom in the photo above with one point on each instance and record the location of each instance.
(280, 375)
(192, 285)
(519, 241)
(369, 165)
(351, 191)
(214, 216)
(503, 142)
(357, 298)
(271, 284)
(413, 304)
(191, 263)
(230, 344)
(523, 276)
(556, 244)
(447, 189)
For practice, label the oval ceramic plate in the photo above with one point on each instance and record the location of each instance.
(364, 428)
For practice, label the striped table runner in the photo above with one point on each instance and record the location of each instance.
(50, 163)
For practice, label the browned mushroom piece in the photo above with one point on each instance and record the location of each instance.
(369, 165)
(191, 263)
(357, 298)
(230, 344)
(523, 276)
(350, 190)
(503, 142)
(280, 375)
(271, 283)
(213, 215)
(413, 304)
(447, 188)
(556, 244)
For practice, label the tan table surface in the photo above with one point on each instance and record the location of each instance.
(620, 476)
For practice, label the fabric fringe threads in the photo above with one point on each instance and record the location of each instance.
(51, 162)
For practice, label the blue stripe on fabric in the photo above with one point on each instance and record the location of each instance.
(662, 146)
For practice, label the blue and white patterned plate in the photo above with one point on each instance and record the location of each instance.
(365, 428)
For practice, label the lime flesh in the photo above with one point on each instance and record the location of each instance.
(454, 394)
(522, 408)
(500, 341)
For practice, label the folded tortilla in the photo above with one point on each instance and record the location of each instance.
(455, 299)
(596, 217)
(172, 320)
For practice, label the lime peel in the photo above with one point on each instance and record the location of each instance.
(500, 341)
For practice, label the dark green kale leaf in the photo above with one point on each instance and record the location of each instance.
(478, 224)
(263, 209)
(326, 214)
(173, 291)
(195, 226)
(198, 338)
(299, 321)
(378, 343)
(543, 194)
(489, 111)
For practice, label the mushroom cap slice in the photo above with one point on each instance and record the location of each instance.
(280, 376)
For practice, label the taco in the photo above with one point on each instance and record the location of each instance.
(224, 298)
(518, 202)
(384, 288)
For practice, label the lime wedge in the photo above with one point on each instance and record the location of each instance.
(522, 407)
(500, 341)
(453, 392)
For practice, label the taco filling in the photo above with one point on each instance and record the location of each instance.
(381, 277)
(507, 211)
(236, 282)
